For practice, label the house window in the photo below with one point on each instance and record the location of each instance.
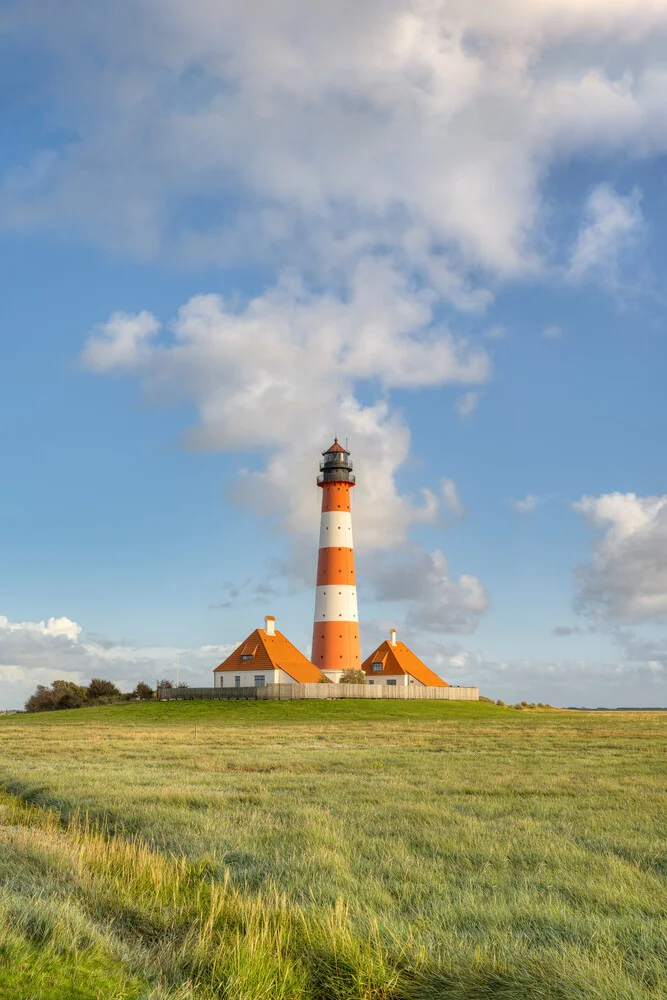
(371, 682)
(260, 680)
(247, 656)
(392, 682)
(376, 667)
(237, 682)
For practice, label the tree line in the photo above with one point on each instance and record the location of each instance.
(67, 694)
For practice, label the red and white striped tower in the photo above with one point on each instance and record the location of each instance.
(336, 627)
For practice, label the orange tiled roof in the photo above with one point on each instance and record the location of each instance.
(399, 659)
(270, 652)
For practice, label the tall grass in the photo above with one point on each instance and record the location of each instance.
(448, 854)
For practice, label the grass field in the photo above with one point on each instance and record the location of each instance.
(332, 851)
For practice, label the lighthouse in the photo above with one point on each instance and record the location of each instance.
(336, 626)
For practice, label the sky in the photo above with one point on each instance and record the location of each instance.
(432, 227)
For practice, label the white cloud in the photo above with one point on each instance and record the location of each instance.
(612, 225)
(320, 134)
(54, 627)
(626, 579)
(528, 504)
(467, 404)
(283, 370)
(450, 498)
(436, 602)
(123, 342)
(34, 653)
(552, 332)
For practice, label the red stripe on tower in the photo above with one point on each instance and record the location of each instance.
(336, 626)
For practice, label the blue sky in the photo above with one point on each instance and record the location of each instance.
(436, 229)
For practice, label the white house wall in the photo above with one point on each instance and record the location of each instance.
(402, 680)
(226, 678)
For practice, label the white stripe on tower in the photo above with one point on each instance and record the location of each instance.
(336, 529)
(333, 604)
(336, 626)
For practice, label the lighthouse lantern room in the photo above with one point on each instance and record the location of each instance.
(336, 626)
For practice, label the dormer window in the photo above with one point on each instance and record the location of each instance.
(247, 656)
(376, 667)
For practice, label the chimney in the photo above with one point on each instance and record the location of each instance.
(392, 637)
(269, 625)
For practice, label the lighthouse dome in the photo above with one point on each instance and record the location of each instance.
(336, 465)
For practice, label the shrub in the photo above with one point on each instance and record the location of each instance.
(102, 689)
(489, 701)
(61, 694)
(524, 704)
(325, 680)
(500, 702)
(143, 691)
(165, 683)
(540, 705)
(519, 706)
(353, 677)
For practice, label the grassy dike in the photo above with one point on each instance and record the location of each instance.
(317, 850)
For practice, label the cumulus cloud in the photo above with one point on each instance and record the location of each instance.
(34, 653)
(552, 332)
(436, 601)
(644, 649)
(283, 370)
(324, 132)
(528, 504)
(626, 579)
(122, 343)
(612, 225)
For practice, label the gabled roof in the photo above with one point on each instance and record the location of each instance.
(336, 447)
(270, 652)
(398, 659)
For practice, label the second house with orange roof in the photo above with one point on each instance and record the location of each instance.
(393, 663)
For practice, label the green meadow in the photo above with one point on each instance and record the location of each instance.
(333, 851)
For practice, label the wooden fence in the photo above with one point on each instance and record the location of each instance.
(289, 692)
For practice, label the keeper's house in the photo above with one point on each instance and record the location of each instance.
(266, 657)
(394, 664)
